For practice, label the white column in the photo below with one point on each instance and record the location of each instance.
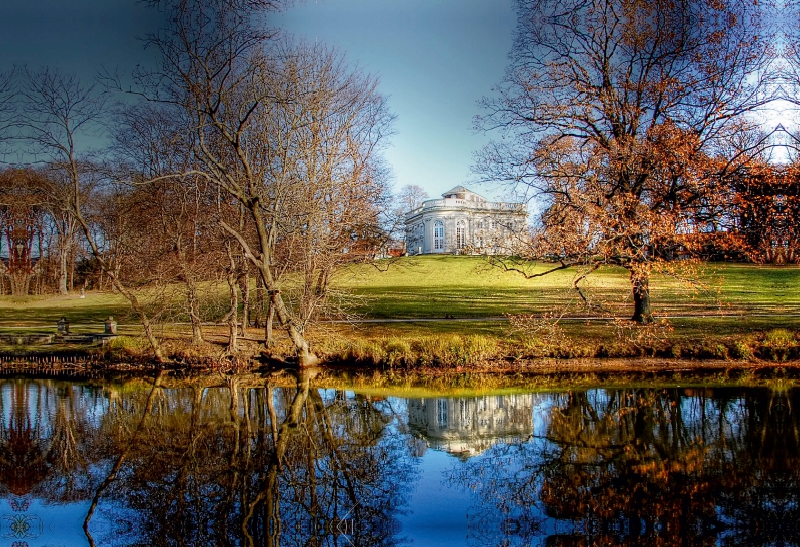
(427, 240)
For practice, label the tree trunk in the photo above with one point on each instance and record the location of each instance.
(233, 330)
(20, 283)
(72, 272)
(117, 284)
(261, 303)
(640, 284)
(146, 326)
(269, 339)
(65, 235)
(194, 313)
(304, 355)
(63, 272)
(244, 286)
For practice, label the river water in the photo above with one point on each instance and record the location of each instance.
(248, 461)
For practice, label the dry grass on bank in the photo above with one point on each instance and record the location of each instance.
(454, 350)
(455, 345)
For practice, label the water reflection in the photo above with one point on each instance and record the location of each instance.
(246, 461)
(645, 467)
(465, 426)
(231, 465)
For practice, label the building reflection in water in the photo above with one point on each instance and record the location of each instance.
(644, 467)
(465, 427)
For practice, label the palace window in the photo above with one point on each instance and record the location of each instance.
(438, 235)
(461, 234)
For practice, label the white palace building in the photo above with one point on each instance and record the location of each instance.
(463, 222)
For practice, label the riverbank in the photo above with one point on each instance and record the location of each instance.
(445, 312)
(474, 380)
(461, 362)
(446, 345)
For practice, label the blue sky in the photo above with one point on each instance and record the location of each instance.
(74, 35)
(435, 60)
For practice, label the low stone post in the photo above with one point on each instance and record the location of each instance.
(111, 326)
(63, 326)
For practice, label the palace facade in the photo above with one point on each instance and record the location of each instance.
(463, 222)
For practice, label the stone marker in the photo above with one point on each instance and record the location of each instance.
(111, 325)
(63, 326)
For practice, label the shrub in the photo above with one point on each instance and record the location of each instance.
(740, 350)
(397, 351)
(778, 345)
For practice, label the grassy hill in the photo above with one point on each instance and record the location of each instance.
(442, 287)
(453, 286)
(739, 309)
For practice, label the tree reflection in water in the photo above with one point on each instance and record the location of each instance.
(249, 461)
(645, 467)
(48, 439)
(232, 465)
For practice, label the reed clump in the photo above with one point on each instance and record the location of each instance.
(455, 350)
(435, 350)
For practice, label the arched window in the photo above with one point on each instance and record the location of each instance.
(461, 234)
(438, 235)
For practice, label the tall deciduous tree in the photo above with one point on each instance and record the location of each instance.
(611, 111)
(407, 199)
(411, 196)
(152, 142)
(240, 98)
(327, 136)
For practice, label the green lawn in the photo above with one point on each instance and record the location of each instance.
(742, 311)
(467, 287)
(441, 286)
(91, 311)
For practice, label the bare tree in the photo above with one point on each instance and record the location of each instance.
(410, 197)
(151, 140)
(612, 112)
(334, 183)
(236, 93)
(8, 109)
(57, 110)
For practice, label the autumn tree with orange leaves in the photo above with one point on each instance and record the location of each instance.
(766, 213)
(22, 217)
(612, 116)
